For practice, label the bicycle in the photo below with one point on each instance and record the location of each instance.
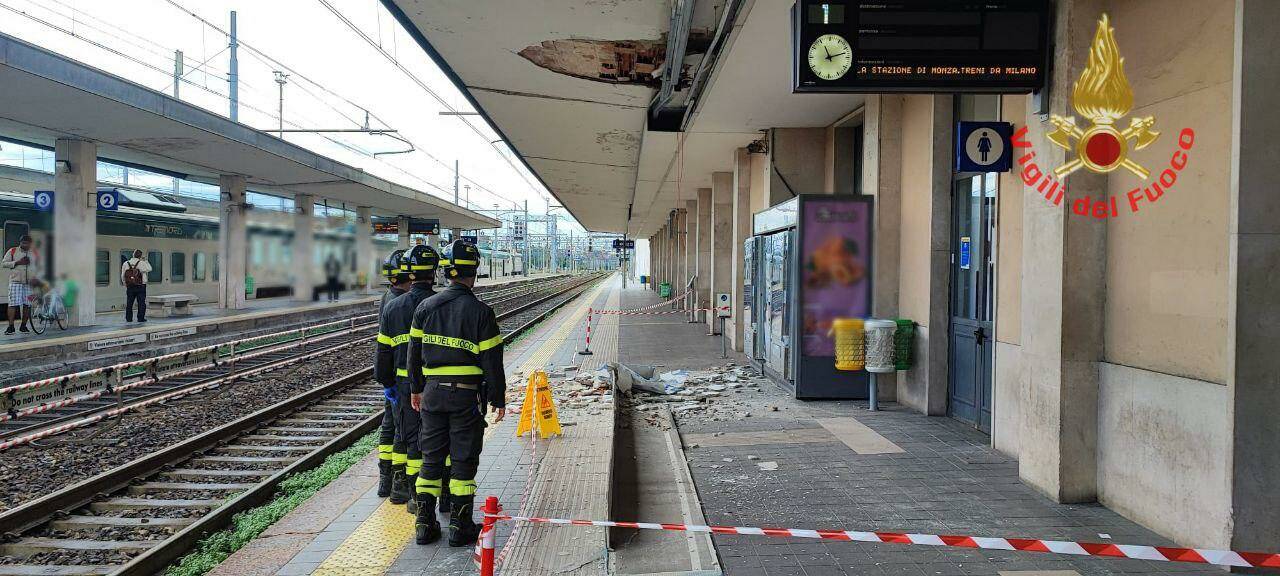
(49, 311)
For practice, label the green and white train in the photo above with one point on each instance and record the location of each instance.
(183, 248)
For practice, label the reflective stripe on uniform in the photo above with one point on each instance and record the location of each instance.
(424, 486)
(412, 466)
(462, 487)
(453, 371)
(402, 372)
(421, 267)
(398, 458)
(456, 262)
(384, 451)
(415, 333)
(393, 341)
(490, 343)
(449, 342)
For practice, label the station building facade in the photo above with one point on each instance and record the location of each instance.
(1114, 334)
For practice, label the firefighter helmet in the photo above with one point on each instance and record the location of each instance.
(391, 268)
(420, 263)
(460, 260)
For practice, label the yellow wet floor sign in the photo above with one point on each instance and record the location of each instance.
(539, 408)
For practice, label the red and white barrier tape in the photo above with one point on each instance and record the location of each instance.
(653, 313)
(675, 300)
(1139, 552)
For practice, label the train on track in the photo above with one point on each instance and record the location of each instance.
(182, 247)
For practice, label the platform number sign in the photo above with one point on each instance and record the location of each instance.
(108, 200)
(44, 200)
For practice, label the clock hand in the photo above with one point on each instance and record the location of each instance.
(836, 55)
(824, 49)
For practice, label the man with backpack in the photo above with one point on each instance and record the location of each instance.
(134, 275)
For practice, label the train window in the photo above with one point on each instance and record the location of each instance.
(177, 267)
(215, 267)
(197, 267)
(13, 232)
(125, 255)
(102, 268)
(156, 259)
(257, 252)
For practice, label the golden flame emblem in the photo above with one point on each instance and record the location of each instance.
(1103, 95)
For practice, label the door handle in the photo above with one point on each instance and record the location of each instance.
(979, 335)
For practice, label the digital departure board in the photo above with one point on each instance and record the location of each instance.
(920, 46)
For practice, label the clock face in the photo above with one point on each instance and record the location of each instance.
(830, 56)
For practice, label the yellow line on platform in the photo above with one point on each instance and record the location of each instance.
(555, 340)
(374, 546)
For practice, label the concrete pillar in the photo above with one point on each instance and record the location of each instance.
(691, 248)
(1063, 299)
(454, 234)
(232, 242)
(402, 226)
(75, 214)
(1253, 323)
(303, 247)
(680, 271)
(741, 231)
(721, 254)
(882, 178)
(799, 161)
(703, 254)
(365, 258)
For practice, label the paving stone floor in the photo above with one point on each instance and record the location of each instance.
(947, 480)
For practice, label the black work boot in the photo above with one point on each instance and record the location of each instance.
(412, 505)
(463, 529)
(426, 529)
(384, 478)
(401, 492)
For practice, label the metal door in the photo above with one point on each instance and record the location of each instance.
(972, 291)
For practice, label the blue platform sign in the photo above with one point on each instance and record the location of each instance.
(966, 251)
(108, 199)
(984, 146)
(469, 239)
(44, 200)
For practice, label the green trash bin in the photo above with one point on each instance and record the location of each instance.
(664, 290)
(903, 345)
(248, 285)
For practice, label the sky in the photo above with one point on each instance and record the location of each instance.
(334, 76)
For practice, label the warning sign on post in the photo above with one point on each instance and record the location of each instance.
(539, 408)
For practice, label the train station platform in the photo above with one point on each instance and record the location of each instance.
(732, 450)
(24, 353)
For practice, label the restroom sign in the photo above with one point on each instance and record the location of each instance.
(984, 146)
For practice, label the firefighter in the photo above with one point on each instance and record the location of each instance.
(455, 368)
(418, 266)
(387, 435)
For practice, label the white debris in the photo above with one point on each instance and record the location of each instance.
(767, 466)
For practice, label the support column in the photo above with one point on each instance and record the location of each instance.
(402, 226)
(721, 253)
(1253, 322)
(882, 178)
(703, 253)
(691, 248)
(366, 260)
(232, 242)
(678, 253)
(75, 211)
(455, 234)
(303, 247)
(1063, 299)
(741, 231)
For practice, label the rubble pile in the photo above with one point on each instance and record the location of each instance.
(718, 394)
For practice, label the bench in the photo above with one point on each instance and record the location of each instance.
(166, 305)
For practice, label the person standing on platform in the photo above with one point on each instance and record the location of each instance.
(391, 367)
(387, 434)
(23, 263)
(455, 369)
(332, 269)
(134, 275)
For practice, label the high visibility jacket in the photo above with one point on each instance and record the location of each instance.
(393, 335)
(391, 294)
(455, 338)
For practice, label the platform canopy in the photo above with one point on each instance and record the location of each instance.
(575, 88)
(47, 97)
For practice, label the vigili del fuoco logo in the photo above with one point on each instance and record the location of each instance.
(1102, 96)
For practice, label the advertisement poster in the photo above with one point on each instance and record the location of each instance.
(836, 270)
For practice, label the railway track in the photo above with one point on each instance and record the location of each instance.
(96, 395)
(139, 517)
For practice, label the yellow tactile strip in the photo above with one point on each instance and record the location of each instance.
(373, 547)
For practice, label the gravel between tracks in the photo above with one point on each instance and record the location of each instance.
(33, 470)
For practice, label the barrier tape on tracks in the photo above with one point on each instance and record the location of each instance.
(1137, 552)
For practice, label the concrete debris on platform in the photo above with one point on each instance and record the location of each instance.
(717, 394)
